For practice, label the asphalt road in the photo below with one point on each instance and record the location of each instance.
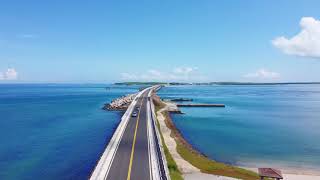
(131, 161)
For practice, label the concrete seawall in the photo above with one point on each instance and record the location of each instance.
(201, 105)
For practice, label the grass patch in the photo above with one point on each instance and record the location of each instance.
(174, 172)
(212, 167)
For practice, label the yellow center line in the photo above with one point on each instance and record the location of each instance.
(134, 142)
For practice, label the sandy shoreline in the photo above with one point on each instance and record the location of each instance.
(295, 174)
(184, 166)
(192, 173)
(202, 176)
(285, 170)
(188, 171)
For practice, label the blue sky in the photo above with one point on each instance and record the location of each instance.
(108, 41)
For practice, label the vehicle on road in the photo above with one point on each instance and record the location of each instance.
(134, 114)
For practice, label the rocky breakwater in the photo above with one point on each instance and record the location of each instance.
(121, 103)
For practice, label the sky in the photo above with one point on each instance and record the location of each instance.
(159, 40)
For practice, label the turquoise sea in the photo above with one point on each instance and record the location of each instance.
(50, 131)
(58, 131)
(264, 125)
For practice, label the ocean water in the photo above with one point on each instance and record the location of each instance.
(53, 131)
(272, 126)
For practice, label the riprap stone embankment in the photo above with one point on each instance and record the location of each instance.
(121, 103)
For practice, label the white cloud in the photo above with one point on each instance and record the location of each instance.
(27, 36)
(10, 74)
(263, 74)
(177, 74)
(128, 76)
(184, 70)
(154, 72)
(306, 43)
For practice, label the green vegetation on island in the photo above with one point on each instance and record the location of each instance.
(256, 83)
(211, 83)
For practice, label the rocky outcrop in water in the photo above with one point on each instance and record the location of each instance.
(121, 103)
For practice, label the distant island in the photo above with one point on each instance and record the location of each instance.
(209, 83)
(255, 83)
(140, 83)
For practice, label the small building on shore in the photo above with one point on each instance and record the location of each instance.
(270, 173)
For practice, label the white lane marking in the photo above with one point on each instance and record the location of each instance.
(149, 155)
(160, 141)
(151, 140)
(102, 169)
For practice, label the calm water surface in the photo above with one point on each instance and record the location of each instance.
(59, 131)
(276, 126)
(54, 131)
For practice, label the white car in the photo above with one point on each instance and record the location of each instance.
(134, 114)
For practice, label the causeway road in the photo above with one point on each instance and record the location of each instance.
(129, 153)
